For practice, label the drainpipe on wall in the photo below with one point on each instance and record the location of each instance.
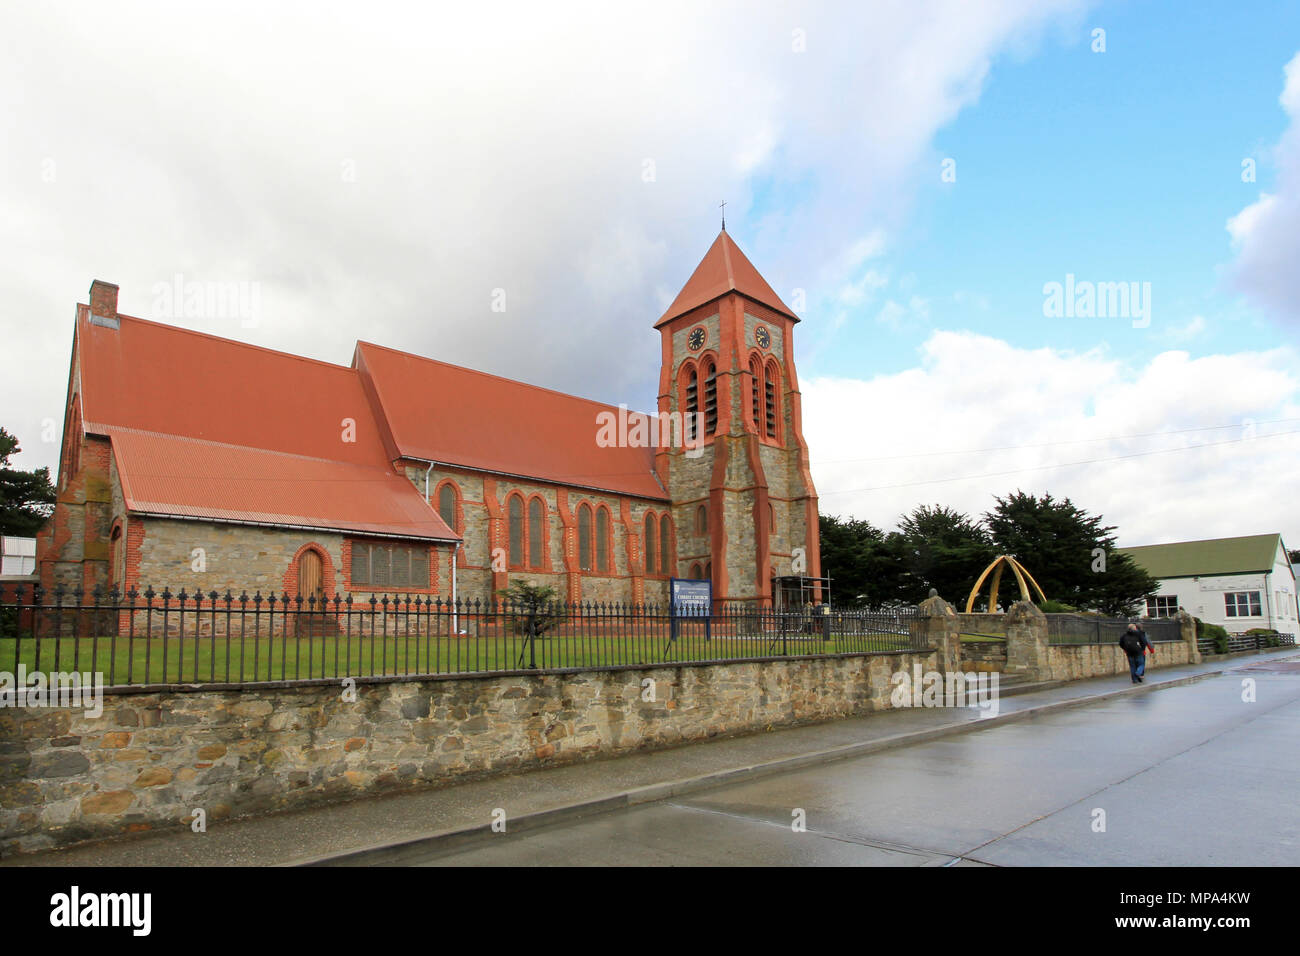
(455, 552)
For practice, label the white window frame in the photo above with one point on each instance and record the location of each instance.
(1233, 602)
(1153, 605)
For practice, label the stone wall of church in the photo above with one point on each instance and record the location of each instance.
(211, 556)
(481, 496)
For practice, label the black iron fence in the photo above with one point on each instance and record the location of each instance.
(164, 638)
(1090, 629)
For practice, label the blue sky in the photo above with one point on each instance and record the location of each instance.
(1122, 165)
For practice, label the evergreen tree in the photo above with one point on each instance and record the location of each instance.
(942, 549)
(1070, 553)
(26, 497)
(864, 564)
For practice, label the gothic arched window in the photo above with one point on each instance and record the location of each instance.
(447, 505)
(602, 539)
(536, 533)
(651, 546)
(690, 401)
(584, 536)
(710, 398)
(515, 510)
(665, 545)
(772, 387)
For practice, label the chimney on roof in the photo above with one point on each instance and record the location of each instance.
(103, 304)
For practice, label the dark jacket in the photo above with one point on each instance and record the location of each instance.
(1142, 646)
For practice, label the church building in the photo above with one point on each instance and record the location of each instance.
(198, 462)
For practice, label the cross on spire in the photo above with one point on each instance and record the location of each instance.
(723, 207)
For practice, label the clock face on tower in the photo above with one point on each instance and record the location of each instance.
(695, 340)
(762, 336)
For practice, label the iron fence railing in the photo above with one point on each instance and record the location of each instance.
(164, 638)
(1090, 629)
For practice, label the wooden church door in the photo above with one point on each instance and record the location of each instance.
(310, 578)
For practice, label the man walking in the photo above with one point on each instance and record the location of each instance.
(1134, 643)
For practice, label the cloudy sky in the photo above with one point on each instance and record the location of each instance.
(918, 174)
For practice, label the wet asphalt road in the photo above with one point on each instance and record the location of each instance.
(1191, 775)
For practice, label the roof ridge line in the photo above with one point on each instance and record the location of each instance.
(222, 338)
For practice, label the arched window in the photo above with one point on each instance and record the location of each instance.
(756, 391)
(710, 398)
(536, 533)
(772, 392)
(584, 536)
(602, 540)
(771, 516)
(708, 570)
(117, 559)
(516, 520)
(447, 505)
(702, 519)
(665, 545)
(651, 547)
(695, 571)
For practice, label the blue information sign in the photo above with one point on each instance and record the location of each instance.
(690, 598)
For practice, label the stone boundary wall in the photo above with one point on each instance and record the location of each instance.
(1081, 661)
(151, 759)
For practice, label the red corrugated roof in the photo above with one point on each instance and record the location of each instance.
(159, 378)
(457, 416)
(724, 269)
(188, 477)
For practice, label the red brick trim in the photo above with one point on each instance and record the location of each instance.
(459, 528)
(290, 579)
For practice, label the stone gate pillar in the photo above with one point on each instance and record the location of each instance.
(1026, 628)
(1187, 628)
(937, 624)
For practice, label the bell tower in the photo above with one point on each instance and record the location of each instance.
(744, 504)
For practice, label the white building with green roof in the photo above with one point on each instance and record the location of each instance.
(1239, 583)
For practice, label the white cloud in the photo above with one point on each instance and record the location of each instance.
(378, 169)
(897, 315)
(875, 442)
(1266, 234)
(1192, 329)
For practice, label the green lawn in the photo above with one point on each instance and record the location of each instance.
(205, 660)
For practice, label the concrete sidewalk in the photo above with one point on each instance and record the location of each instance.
(375, 830)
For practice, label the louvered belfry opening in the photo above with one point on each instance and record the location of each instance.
(770, 391)
(692, 403)
(756, 389)
(710, 399)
